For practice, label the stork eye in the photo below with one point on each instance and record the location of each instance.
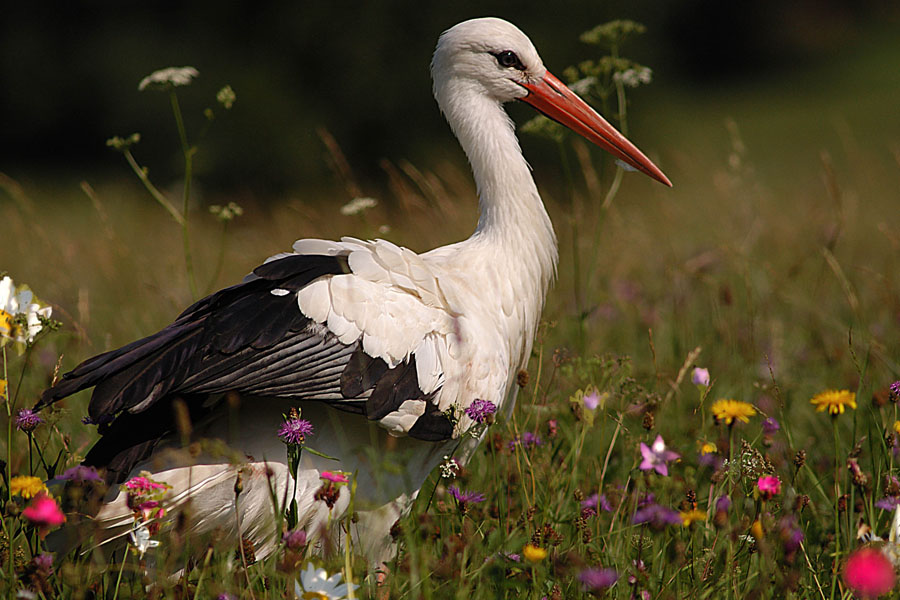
(508, 59)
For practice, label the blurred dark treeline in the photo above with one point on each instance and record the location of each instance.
(69, 73)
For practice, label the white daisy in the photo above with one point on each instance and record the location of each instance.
(315, 584)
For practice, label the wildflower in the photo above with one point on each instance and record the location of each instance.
(723, 505)
(226, 97)
(27, 420)
(358, 205)
(144, 497)
(294, 431)
(897, 426)
(26, 486)
(707, 448)
(481, 411)
(170, 77)
(315, 584)
(527, 440)
(591, 398)
(634, 77)
(656, 456)
(730, 410)
(869, 573)
(552, 428)
(657, 516)
(140, 537)
(791, 534)
(834, 401)
(590, 505)
(2, 381)
(756, 530)
(888, 503)
(16, 308)
(449, 468)
(770, 426)
(700, 377)
(857, 476)
(769, 486)
(598, 579)
(464, 499)
(81, 474)
(895, 391)
(534, 554)
(294, 540)
(226, 213)
(690, 516)
(334, 476)
(44, 513)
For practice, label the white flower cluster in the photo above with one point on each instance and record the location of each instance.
(634, 77)
(174, 76)
(358, 205)
(315, 583)
(15, 303)
(449, 468)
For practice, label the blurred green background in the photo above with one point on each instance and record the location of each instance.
(69, 75)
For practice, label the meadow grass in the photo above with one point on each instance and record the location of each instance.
(782, 282)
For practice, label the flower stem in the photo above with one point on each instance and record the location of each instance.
(188, 152)
(837, 497)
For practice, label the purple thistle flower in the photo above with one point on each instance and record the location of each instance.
(895, 390)
(527, 440)
(294, 540)
(27, 420)
(81, 474)
(656, 515)
(770, 426)
(464, 497)
(723, 504)
(656, 456)
(594, 502)
(294, 431)
(598, 579)
(480, 410)
(888, 503)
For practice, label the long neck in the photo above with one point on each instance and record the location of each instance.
(513, 218)
(514, 237)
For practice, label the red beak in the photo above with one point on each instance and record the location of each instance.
(551, 96)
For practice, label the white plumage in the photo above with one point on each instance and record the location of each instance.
(363, 313)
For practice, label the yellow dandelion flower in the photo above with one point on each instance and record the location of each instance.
(897, 426)
(834, 401)
(728, 410)
(690, 516)
(26, 486)
(707, 448)
(534, 554)
(3, 388)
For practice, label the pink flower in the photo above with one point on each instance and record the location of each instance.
(334, 477)
(769, 486)
(656, 456)
(591, 401)
(700, 377)
(869, 573)
(44, 513)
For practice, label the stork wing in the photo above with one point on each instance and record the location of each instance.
(253, 338)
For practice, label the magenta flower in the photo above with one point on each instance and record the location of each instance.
(700, 377)
(294, 431)
(27, 420)
(334, 477)
(888, 503)
(294, 540)
(770, 426)
(723, 504)
(465, 497)
(769, 486)
(44, 513)
(657, 456)
(869, 573)
(598, 579)
(81, 474)
(480, 410)
(895, 390)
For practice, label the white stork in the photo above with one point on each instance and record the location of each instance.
(380, 347)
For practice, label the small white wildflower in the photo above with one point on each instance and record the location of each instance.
(634, 77)
(583, 86)
(14, 305)
(358, 205)
(172, 76)
(315, 584)
(227, 212)
(449, 468)
(226, 97)
(140, 537)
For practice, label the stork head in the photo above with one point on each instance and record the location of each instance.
(491, 58)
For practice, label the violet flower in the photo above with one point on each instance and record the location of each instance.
(294, 431)
(657, 456)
